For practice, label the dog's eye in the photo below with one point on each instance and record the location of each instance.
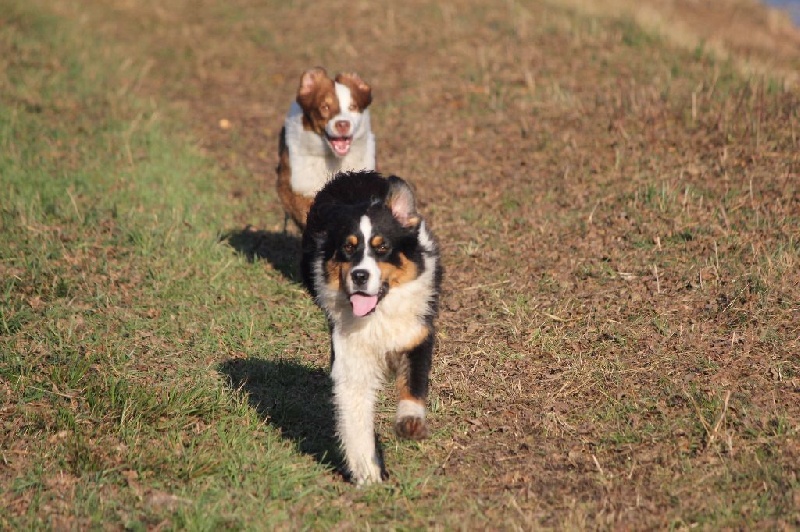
(324, 107)
(349, 248)
(382, 248)
(353, 107)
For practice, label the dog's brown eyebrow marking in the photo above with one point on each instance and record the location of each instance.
(352, 240)
(376, 241)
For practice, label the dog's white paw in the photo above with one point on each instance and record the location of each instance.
(366, 472)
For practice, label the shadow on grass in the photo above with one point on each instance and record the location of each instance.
(292, 397)
(281, 249)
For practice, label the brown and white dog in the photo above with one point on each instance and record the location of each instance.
(326, 131)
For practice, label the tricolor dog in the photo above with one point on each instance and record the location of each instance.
(371, 263)
(326, 131)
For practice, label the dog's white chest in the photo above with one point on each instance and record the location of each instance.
(368, 345)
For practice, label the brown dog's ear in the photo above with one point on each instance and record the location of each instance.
(400, 200)
(361, 91)
(309, 82)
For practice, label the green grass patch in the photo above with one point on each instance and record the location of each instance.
(118, 299)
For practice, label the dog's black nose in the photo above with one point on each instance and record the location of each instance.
(360, 277)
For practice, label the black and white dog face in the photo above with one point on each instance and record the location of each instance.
(368, 247)
(374, 254)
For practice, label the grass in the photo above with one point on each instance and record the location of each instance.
(618, 338)
(113, 405)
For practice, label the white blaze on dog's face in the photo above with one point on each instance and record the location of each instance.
(354, 97)
(364, 283)
(333, 109)
(339, 129)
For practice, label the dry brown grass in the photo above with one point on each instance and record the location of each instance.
(759, 40)
(619, 222)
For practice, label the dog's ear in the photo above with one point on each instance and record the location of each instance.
(361, 91)
(309, 82)
(400, 200)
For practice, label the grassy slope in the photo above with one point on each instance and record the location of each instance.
(619, 339)
(112, 411)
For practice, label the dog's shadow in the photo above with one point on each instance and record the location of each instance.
(290, 396)
(279, 248)
(293, 398)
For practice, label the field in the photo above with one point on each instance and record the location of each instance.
(616, 190)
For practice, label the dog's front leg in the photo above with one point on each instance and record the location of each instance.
(355, 384)
(412, 388)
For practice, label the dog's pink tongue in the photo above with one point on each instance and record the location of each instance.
(363, 305)
(341, 145)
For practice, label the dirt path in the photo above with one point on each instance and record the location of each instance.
(619, 225)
